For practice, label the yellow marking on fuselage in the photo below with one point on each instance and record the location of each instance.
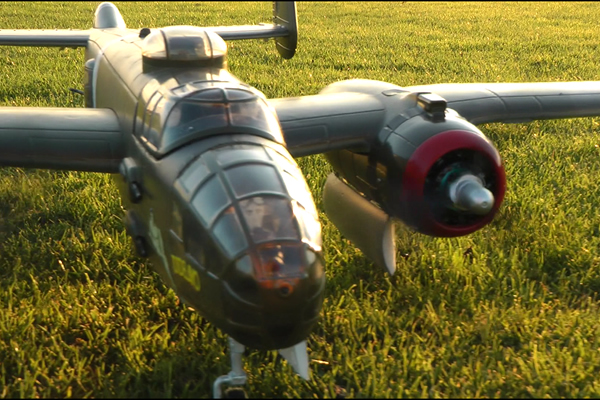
(186, 271)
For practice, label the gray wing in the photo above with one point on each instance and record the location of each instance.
(79, 139)
(327, 122)
(44, 37)
(519, 102)
(348, 120)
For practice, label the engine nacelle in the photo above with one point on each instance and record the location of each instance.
(434, 171)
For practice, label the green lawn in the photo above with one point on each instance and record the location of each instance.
(82, 316)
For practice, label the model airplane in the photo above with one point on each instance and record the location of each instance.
(205, 165)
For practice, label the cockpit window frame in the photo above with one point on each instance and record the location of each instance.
(190, 93)
(266, 123)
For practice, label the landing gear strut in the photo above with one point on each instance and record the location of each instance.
(296, 356)
(235, 377)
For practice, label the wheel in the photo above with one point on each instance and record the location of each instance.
(235, 393)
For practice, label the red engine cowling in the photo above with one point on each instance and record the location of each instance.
(441, 177)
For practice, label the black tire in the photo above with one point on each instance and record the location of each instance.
(235, 393)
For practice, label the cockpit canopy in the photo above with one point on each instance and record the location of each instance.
(171, 120)
(184, 46)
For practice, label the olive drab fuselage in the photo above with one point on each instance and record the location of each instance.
(212, 195)
(217, 204)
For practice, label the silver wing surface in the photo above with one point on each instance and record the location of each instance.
(79, 139)
(481, 103)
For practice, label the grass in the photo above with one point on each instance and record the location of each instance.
(81, 316)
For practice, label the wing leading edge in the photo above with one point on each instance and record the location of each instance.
(482, 103)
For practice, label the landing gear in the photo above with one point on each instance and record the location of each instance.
(235, 377)
(296, 356)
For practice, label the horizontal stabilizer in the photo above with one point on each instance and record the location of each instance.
(297, 356)
(79, 38)
(249, 31)
(44, 37)
(284, 29)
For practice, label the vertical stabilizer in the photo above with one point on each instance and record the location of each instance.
(284, 14)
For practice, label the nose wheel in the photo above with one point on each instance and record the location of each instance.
(235, 378)
(235, 393)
